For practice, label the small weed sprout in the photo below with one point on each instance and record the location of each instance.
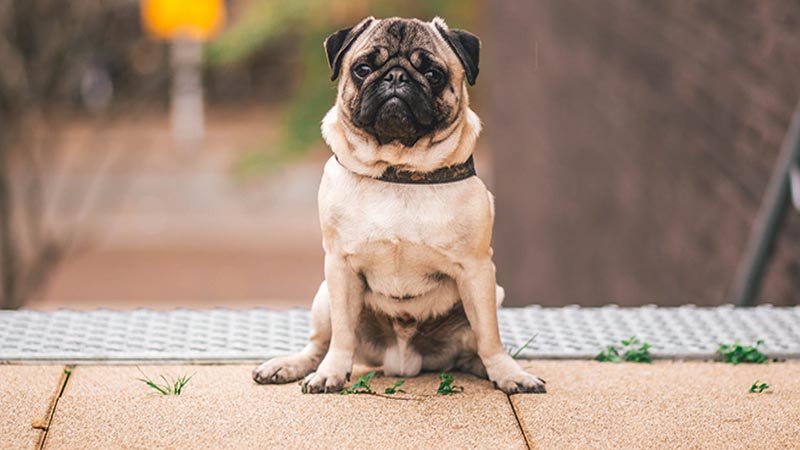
(446, 386)
(515, 353)
(169, 387)
(362, 386)
(757, 388)
(610, 354)
(633, 350)
(67, 374)
(393, 389)
(736, 353)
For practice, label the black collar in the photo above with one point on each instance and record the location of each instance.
(450, 174)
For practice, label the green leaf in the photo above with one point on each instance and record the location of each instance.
(393, 389)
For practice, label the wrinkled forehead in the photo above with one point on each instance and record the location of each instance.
(389, 38)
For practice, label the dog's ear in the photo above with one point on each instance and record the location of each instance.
(336, 45)
(466, 45)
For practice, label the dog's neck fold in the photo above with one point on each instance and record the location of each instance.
(451, 147)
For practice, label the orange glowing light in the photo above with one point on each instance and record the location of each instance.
(190, 19)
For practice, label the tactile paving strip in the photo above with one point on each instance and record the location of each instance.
(252, 335)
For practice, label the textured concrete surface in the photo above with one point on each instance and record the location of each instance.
(106, 407)
(588, 405)
(663, 405)
(26, 399)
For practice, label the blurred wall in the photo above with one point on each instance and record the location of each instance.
(633, 141)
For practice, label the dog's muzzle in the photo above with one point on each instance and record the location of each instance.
(395, 107)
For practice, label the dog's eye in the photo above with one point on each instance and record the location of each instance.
(362, 71)
(434, 77)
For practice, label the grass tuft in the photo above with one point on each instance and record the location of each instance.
(446, 386)
(631, 351)
(173, 386)
(736, 353)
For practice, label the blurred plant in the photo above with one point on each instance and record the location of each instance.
(610, 354)
(629, 352)
(307, 23)
(736, 353)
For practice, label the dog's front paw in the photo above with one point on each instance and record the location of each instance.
(284, 369)
(520, 382)
(509, 377)
(319, 382)
(331, 375)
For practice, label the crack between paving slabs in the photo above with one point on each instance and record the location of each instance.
(519, 423)
(44, 424)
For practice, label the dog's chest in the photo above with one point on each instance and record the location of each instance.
(402, 237)
(400, 251)
(398, 224)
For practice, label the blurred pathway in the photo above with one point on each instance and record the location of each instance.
(171, 227)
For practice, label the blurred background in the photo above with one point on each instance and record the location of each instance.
(167, 153)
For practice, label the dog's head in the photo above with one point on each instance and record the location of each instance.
(402, 81)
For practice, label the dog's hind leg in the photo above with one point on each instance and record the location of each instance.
(284, 369)
(472, 364)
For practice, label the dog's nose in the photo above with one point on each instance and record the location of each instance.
(396, 76)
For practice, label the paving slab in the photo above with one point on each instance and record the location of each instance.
(662, 405)
(27, 394)
(221, 407)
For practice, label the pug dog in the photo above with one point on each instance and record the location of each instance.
(409, 278)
